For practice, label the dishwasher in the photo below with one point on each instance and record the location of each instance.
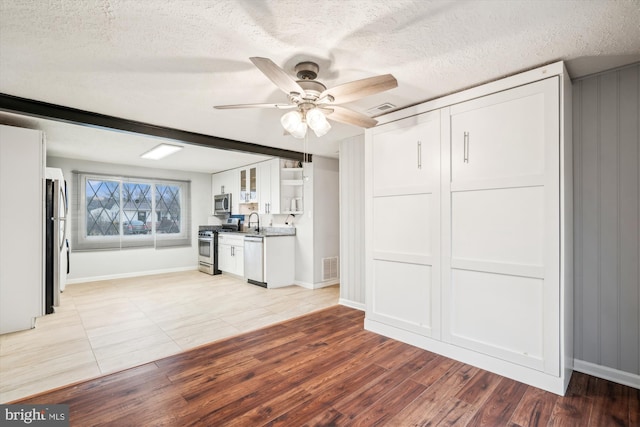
(254, 260)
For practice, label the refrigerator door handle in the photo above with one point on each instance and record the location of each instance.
(63, 196)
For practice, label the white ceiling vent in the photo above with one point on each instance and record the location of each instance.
(382, 108)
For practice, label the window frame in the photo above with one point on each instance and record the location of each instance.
(122, 241)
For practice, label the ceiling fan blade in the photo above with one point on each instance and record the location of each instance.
(277, 75)
(278, 106)
(350, 117)
(357, 89)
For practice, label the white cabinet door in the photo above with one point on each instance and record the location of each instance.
(269, 187)
(248, 183)
(405, 252)
(227, 182)
(231, 253)
(406, 155)
(501, 262)
(225, 260)
(504, 136)
(238, 257)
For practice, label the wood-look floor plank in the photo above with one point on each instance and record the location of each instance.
(610, 404)
(634, 406)
(479, 388)
(501, 404)
(429, 404)
(574, 409)
(320, 402)
(366, 396)
(534, 409)
(388, 405)
(453, 412)
(324, 369)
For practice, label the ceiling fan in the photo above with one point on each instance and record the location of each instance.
(312, 102)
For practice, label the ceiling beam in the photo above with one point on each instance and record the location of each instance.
(45, 110)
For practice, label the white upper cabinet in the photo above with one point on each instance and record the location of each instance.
(253, 187)
(227, 183)
(406, 157)
(248, 182)
(504, 135)
(269, 187)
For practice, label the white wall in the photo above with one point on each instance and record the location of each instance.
(99, 265)
(304, 232)
(326, 210)
(352, 265)
(317, 230)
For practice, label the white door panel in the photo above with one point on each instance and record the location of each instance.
(498, 315)
(505, 225)
(406, 155)
(392, 234)
(402, 294)
(502, 135)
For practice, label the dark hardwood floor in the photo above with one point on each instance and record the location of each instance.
(325, 369)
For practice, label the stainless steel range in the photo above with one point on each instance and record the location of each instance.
(208, 249)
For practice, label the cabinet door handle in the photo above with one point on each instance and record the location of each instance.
(232, 251)
(466, 148)
(419, 154)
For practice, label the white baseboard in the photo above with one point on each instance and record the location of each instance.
(353, 304)
(127, 275)
(318, 285)
(604, 372)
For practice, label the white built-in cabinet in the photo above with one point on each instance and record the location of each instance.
(467, 225)
(405, 286)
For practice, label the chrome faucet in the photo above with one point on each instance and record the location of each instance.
(249, 221)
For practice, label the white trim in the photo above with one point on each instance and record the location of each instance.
(317, 285)
(604, 372)
(127, 275)
(353, 304)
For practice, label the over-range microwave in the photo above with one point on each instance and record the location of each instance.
(222, 204)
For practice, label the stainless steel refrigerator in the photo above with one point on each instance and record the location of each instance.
(56, 243)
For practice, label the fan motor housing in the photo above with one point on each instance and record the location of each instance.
(307, 70)
(312, 86)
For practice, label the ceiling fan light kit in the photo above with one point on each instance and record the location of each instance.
(318, 122)
(313, 102)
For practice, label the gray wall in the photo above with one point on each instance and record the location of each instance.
(352, 286)
(606, 204)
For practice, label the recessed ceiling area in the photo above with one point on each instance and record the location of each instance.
(167, 63)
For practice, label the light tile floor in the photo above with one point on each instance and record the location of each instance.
(107, 326)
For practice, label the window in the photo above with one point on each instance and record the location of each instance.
(118, 212)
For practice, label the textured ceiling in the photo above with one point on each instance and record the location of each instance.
(168, 62)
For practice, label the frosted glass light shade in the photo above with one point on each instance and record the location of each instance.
(300, 131)
(318, 122)
(291, 121)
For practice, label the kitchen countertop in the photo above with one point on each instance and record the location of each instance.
(268, 232)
